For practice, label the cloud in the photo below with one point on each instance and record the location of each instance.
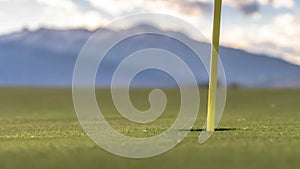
(279, 37)
(63, 4)
(278, 3)
(120, 6)
(91, 13)
(191, 5)
(250, 7)
(247, 7)
(193, 11)
(182, 7)
(66, 13)
(114, 7)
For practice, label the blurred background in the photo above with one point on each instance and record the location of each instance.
(40, 39)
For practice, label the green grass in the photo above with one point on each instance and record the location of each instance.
(39, 129)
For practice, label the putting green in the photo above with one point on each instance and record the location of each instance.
(259, 129)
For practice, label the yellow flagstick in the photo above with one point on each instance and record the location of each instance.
(212, 90)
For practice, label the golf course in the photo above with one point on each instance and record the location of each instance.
(260, 129)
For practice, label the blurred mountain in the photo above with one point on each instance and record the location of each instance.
(47, 57)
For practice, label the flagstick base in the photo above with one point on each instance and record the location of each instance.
(204, 136)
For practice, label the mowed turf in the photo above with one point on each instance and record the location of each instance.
(39, 129)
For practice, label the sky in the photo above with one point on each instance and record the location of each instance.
(261, 26)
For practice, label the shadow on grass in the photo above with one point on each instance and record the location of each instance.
(217, 129)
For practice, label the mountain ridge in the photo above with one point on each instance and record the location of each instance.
(46, 57)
